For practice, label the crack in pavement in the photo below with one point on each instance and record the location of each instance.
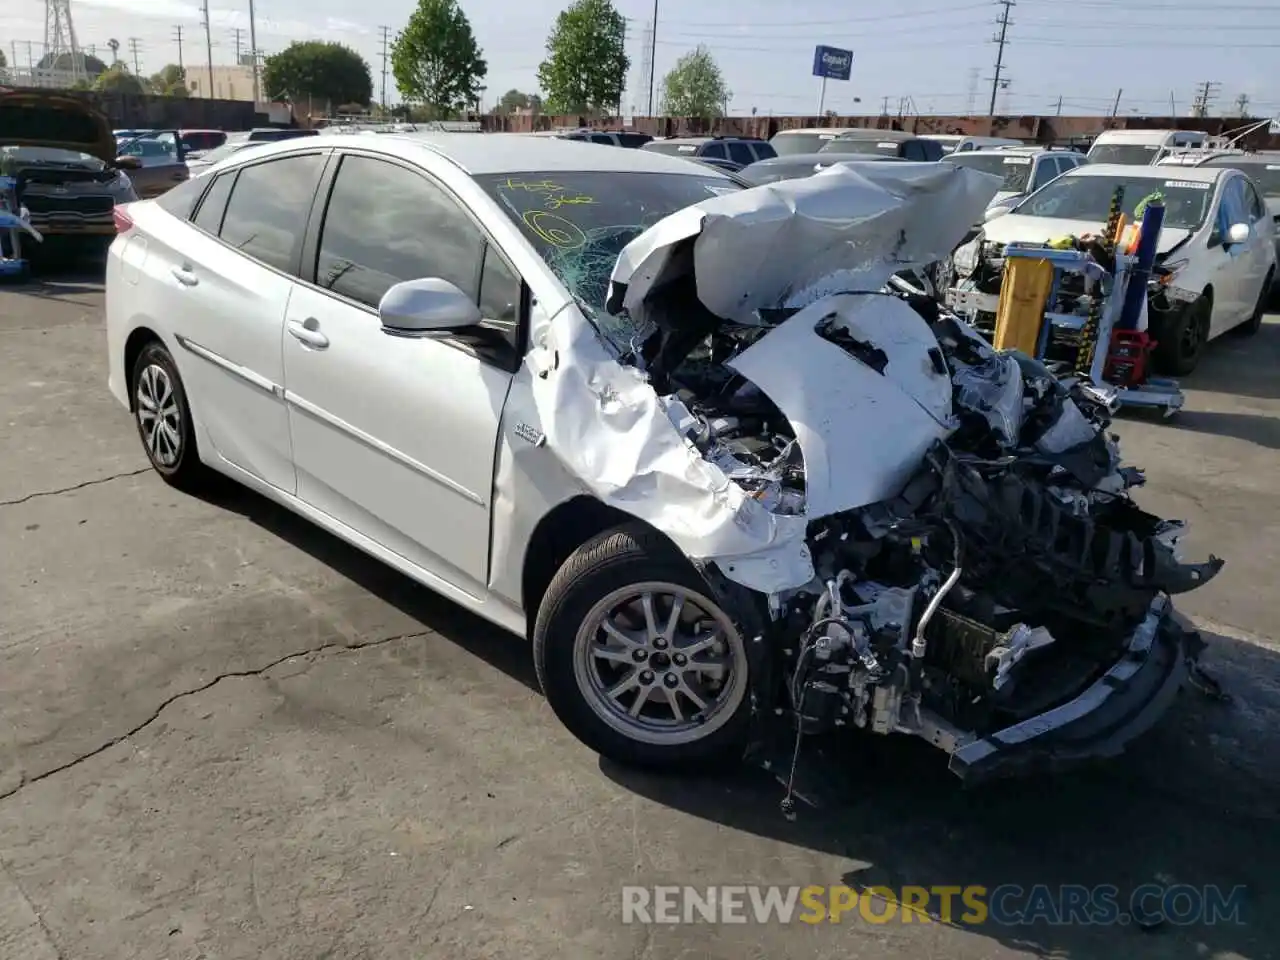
(74, 487)
(26, 781)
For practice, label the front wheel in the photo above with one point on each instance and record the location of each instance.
(1182, 343)
(637, 659)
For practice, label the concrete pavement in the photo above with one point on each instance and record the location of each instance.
(224, 734)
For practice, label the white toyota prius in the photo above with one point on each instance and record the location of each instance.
(682, 434)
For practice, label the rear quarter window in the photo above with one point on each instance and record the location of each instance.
(181, 200)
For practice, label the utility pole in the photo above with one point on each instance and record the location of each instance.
(1001, 40)
(1059, 109)
(253, 51)
(1242, 105)
(237, 31)
(134, 45)
(177, 36)
(1173, 109)
(386, 31)
(1115, 108)
(208, 43)
(653, 54)
(1206, 93)
(884, 106)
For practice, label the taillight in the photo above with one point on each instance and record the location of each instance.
(120, 214)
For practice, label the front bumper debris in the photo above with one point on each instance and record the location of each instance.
(1119, 706)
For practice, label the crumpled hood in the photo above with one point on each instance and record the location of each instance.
(1012, 228)
(771, 245)
(804, 243)
(35, 118)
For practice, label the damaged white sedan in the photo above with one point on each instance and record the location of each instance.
(685, 436)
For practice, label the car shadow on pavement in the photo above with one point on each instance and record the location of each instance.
(1191, 803)
(1241, 366)
(478, 637)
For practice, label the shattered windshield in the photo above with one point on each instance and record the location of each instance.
(1015, 170)
(1186, 202)
(580, 221)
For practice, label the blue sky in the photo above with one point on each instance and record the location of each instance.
(937, 54)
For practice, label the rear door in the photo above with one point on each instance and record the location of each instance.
(396, 437)
(227, 277)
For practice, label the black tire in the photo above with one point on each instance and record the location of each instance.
(1182, 343)
(154, 367)
(1254, 323)
(631, 556)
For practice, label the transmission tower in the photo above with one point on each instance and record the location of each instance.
(60, 44)
(972, 102)
(1206, 93)
(1242, 106)
(998, 80)
(646, 69)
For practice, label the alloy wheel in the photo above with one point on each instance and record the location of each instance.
(159, 415)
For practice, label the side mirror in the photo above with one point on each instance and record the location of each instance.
(1239, 233)
(127, 162)
(417, 308)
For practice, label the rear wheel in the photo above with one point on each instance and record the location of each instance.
(1182, 343)
(163, 418)
(637, 659)
(1254, 323)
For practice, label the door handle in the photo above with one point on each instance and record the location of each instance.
(308, 332)
(184, 276)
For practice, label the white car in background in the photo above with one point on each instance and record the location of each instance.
(1023, 170)
(1216, 259)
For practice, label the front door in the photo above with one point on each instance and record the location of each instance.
(396, 437)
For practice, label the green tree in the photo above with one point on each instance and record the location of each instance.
(118, 79)
(695, 87)
(586, 65)
(316, 71)
(170, 81)
(66, 61)
(514, 100)
(436, 60)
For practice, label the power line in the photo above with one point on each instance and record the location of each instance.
(1000, 41)
(386, 32)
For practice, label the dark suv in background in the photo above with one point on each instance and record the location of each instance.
(732, 152)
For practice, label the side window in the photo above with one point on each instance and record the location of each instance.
(500, 292)
(209, 217)
(385, 224)
(1253, 202)
(911, 150)
(181, 200)
(932, 150)
(267, 213)
(764, 151)
(602, 138)
(739, 152)
(715, 149)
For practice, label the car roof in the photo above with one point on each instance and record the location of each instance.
(1006, 152)
(812, 130)
(485, 153)
(800, 159)
(869, 133)
(1143, 172)
(1251, 159)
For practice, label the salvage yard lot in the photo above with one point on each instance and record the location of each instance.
(224, 734)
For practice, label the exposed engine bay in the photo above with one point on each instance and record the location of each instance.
(973, 569)
(1011, 572)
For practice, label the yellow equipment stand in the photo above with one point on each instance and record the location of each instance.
(1024, 294)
